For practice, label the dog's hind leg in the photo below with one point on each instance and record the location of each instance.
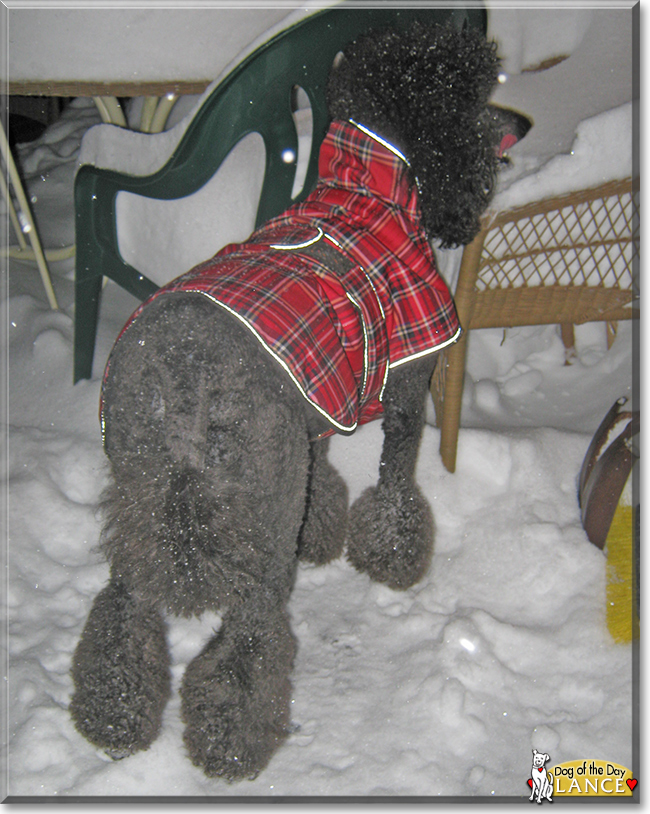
(121, 673)
(236, 693)
(322, 535)
(390, 535)
(209, 455)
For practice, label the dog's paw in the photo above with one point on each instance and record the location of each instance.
(235, 705)
(322, 535)
(390, 535)
(121, 675)
(225, 741)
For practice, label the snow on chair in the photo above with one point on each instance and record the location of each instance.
(254, 98)
(564, 260)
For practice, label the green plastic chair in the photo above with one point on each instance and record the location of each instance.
(254, 97)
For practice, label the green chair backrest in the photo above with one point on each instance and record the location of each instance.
(254, 97)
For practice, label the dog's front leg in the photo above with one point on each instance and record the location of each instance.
(236, 693)
(322, 535)
(121, 673)
(390, 534)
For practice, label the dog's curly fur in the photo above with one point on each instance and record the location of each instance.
(217, 490)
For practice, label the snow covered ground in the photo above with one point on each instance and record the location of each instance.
(439, 691)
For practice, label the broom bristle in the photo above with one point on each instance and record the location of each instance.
(623, 575)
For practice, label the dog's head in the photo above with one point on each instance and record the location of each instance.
(539, 759)
(426, 90)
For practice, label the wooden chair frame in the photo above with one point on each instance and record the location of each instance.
(564, 260)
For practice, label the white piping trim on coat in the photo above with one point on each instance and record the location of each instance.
(382, 141)
(333, 240)
(380, 397)
(290, 246)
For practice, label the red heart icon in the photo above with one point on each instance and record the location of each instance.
(631, 782)
(530, 782)
(541, 769)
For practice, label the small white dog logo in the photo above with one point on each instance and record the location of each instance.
(542, 785)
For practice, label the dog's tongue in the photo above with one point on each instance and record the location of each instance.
(506, 143)
(511, 127)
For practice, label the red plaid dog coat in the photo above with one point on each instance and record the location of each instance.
(342, 288)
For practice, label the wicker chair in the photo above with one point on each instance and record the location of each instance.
(565, 260)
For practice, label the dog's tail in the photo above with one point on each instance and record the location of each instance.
(177, 537)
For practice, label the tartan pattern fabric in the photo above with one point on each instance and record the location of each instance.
(337, 328)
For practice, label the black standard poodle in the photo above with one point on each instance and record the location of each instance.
(221, 392)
